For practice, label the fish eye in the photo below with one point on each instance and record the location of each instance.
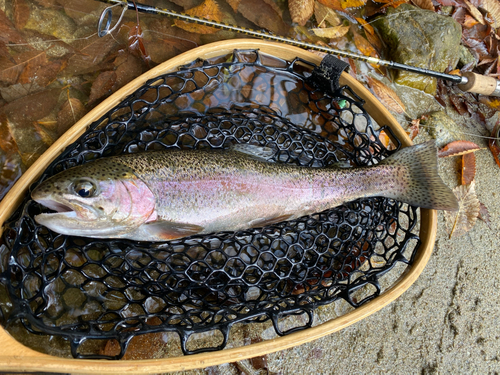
(84, 189)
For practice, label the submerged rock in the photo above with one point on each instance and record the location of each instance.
(421, 38)
(442, 128)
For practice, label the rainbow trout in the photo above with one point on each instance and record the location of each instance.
(165, 195)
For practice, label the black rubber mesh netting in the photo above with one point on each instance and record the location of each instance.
(85, 289)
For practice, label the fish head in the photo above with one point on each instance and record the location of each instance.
(95, 200)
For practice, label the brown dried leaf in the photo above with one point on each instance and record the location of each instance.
(263, 14)
(10, 74)
(493, 8)
(461, 221)
(375, 41)
(323, 13)
(301, 10)
(394, 3)
(331, 32)
(386, 95)
(475, 12)
(469, 21)
(234, 4)
(21, 13)
(332, 4)
(102, 85)
(209, 10)
(8, 33)
(458, 148)
(352, 3)
(71, 111)
(128, 67)
(364, 46)
(25, 110)
(468, 168)
(423, 4)
(91, 53)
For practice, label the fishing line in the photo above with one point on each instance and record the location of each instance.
(470, 82)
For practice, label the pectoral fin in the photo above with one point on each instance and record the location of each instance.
(166, 231)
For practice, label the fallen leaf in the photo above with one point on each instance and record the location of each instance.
(90, 54)
(352, 3)
(71, 111)
(83, 12)
(209, 10)
(332, 4)
(21, 13)
(323, 13)
(469, 21)
(234, 4)
(386, 95)
(331, 32)
(301, 10)
(102, 85)
(394, 3)
(264, 15)
(423, 4)
(493, 8)
(25, 110)
(368, 28)
(468, 168)
(484, 214)
(475, 12)
(128, 67)
(10, 74)
(458, 148)
(375, 41)
(364, 46)
(8, 33)
(461, 221)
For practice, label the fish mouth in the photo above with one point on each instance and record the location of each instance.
(55, 206)
(64, 210)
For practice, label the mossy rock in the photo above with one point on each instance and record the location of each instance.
(421, 38)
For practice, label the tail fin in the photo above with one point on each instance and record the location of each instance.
(425, 188)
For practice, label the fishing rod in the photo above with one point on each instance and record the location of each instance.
(469, 82)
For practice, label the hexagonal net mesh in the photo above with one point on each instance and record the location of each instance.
(86, 289)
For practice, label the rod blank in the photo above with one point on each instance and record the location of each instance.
(469, 82)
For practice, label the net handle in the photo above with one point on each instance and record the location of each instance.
(16, 357)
